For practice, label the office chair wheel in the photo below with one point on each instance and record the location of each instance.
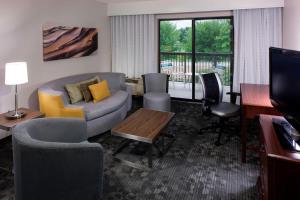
(200, 132)
(218, 143)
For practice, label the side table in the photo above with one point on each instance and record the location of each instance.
(7, 125)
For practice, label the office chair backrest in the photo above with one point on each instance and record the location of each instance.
(212, 86)
(156, 82)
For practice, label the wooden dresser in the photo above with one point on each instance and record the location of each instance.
(255, 100)
(280, 168)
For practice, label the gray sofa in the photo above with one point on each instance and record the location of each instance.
(101, 116)
(54, 160)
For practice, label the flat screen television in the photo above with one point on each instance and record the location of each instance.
(285, 84)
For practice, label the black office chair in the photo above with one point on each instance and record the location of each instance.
(212, 102)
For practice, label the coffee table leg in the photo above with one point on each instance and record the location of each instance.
(150, 156)
(163, 144)
(123, 144)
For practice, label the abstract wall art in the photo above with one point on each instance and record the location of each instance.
(62, 42)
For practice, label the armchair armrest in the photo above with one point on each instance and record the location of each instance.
(78, 163)
(67, 130)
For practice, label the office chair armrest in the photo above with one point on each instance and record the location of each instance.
(234, 93)
(233, 96)
(207, 100)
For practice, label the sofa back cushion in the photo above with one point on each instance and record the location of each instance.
(115, 81)
(84, 88)
(73, 90)
(77, 91)
(100, 91)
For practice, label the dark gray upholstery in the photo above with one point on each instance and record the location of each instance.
(156, 95)
(225, 109)
(212, 101)
(54, 160)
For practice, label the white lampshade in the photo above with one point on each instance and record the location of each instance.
(16, 73)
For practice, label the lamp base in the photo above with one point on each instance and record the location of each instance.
(15, 115)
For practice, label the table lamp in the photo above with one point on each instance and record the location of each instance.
(15, 74)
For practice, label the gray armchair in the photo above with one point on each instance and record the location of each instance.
(54, 160)
(156, 95)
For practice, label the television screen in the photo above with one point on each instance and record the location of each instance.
(285, 83)
(285, 78)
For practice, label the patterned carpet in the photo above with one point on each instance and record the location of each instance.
(193, 168)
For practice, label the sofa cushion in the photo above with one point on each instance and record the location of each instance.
(100, 91)
(84, 88)
(106, 106)
(74, 92)
(73, 89)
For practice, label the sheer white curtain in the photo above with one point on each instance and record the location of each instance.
(255, 31)
(133, 48)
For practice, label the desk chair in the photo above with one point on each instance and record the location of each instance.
(212, 102)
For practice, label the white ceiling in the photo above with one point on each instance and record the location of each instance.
(121, 1)
(134, 7)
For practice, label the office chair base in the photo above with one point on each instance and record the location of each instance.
(218, 143)
(212, 126)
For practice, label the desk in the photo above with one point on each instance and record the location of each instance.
(254, 101)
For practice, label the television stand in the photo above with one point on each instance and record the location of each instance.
(287, 135)
(280, 167)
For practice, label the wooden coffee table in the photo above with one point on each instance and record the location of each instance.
(145, 126)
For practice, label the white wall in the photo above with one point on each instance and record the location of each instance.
(226, 13)
(21, 39)
(291, 24)
(180, 6)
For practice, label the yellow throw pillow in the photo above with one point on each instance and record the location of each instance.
(100, 91)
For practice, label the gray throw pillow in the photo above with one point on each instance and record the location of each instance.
(84, 87)
(74, 91)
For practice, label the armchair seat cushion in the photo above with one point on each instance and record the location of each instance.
(157, 101)
(106, 106)
(225, 110)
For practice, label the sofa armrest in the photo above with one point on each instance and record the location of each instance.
(127, 88)
(51, 103)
